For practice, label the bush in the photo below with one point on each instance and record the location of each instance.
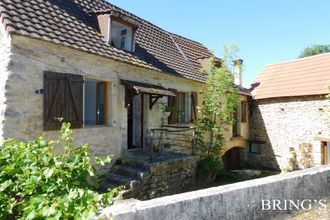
(210, 164)
(35, 183)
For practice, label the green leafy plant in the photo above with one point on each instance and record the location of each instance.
(210, 164)
(36, 183)
(220, 100)
(314, 50)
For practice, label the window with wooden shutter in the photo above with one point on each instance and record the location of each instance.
(173, 104)
(244, 111)
(194, 103)
(63, 99)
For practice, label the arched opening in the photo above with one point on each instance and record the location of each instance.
(232, 159)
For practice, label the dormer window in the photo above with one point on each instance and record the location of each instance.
(118, 29)
(121, 36)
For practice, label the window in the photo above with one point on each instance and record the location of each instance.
(182, 107)
(237, 124)
(121, 36)
(95, 99)
(67, 97)
(243, 111)
(255, 147)
(63, 99)
(185, 107)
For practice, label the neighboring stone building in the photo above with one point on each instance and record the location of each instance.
(105, 70)
(288, 125)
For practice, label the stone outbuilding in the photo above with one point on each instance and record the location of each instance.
(289, 128)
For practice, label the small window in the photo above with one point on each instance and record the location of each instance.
(95, 103)
(182, 107)
(255, 148)
(185, 107)
(243, 111)
(121, 36)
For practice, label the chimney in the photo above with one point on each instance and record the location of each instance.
(238, 69)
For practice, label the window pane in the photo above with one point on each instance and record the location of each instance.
(100, 103)
(90, 103)
(182, 103)
(121, 36)
(255, 148)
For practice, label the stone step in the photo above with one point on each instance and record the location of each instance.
(137, 173)
(115, 179)
(134, 162)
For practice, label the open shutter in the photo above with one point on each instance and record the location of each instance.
(173, 103)
(244, 111)
(194, 102)
(63, 98)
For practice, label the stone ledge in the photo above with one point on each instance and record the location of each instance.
(238, 201)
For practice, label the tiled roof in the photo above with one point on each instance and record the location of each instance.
(72, 23)
(301, 77)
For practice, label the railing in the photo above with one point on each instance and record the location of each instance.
(167, 128)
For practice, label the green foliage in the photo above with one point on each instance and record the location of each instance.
(220, 99)
(210, 164)
(35, 183)
(314, 50)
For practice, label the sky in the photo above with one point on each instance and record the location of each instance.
(265, 31)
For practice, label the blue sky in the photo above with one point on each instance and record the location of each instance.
(265, 31)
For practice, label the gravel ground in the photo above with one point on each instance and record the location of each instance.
(314, 214)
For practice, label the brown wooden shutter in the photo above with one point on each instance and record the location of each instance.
(244, 111)
(63, 98)
(173, 103)
(324, 153)
(194, 103)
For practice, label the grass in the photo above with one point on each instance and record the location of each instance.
(227, 177)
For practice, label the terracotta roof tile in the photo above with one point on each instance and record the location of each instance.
(301, 77)
(72, 23)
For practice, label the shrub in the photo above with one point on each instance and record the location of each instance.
(210, 164)
(36, 183)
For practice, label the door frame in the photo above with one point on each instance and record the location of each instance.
(130, 122)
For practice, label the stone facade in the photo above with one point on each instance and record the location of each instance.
(5, 66)
(22, 109)
(166, 178)
(23, 65)
(290, 127)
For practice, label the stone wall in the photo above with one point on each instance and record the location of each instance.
(5, 66)
(166, 178)
(289, 127)
(24, 108)
(180, 141)
(235, 201)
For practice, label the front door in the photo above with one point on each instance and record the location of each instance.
(135, 122)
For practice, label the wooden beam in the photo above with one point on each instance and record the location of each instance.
(153, 99)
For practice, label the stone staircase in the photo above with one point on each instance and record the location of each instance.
(128, 172)
(166, 174)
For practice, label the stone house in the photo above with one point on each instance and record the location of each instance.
(288, 125)
(105, 70)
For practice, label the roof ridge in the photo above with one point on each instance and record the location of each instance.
(178, 47)
(298, 59)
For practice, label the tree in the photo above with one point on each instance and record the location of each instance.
(220, 99)
(314, 50)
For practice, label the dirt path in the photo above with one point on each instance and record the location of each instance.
(314, 214)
